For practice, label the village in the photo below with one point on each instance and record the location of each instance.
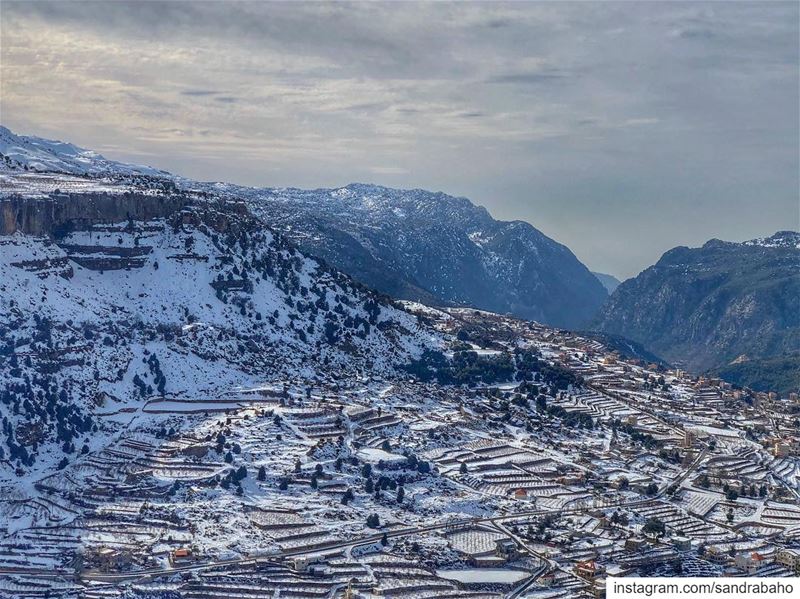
(597, 465)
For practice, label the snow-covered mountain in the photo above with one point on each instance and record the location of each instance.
(112, 300)
(411, 244)
(432, 247)
(29, 153)
(781, 239)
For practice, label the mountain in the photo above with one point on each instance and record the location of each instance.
(705, 307)
(111, 301)
(775, 373)
(411, 244)
(35, 154)
(435, 248)
(610, 282)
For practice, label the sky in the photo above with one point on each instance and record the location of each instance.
(619, 129)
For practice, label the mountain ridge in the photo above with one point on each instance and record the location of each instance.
(412, 244)
(704, 307)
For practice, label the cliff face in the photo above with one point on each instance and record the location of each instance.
(705, 307)
(50, 215)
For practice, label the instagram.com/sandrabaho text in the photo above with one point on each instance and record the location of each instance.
(706, 588)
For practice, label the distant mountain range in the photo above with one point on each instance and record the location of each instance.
(410, 244)
(707, 307)
(610, 282)
(727, 308)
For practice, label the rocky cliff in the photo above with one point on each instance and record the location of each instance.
(705, 307)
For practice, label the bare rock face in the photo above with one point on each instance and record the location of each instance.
(62, 212)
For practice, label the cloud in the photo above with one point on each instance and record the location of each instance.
(199, 92)
(529, 78)
(591, 120)
(388, 170)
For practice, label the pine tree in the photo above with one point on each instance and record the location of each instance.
(347, 497)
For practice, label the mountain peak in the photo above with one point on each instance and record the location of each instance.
(784, 239)
(36, 154)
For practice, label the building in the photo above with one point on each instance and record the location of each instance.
(717, 555)
(547, 580)
(635, 545)
(789, 558)
(682, 543)
(180, 555)
(689, 437)
(520, 494)
(589, 570)
(749, 563)
(107, 559)
(506, 548)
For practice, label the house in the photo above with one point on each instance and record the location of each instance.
(506, 548)
(717, 555)
(180, 555)
(682, 543)
(635, 545)
(547, 579)
(749, 562)
(108, 559)
(312, 564)
(789, 558)
(589, 570)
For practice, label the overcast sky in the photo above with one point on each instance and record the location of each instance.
(621, 130)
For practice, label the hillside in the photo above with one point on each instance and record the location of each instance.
(35, 154)
(112, 300)
(776, 373)
(704, 307)
(432, 247)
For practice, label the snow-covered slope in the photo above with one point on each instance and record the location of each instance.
(190, 299)
(29, 153)
(781, 239)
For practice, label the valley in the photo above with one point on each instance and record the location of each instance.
(194, 407)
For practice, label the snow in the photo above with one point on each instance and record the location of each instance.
(43, 155)
(374, 455)
(484, 575)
